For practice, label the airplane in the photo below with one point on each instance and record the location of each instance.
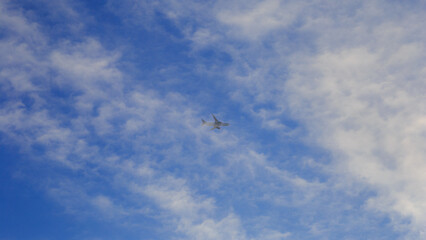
(216, 124)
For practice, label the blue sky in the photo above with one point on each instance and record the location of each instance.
(101, 105)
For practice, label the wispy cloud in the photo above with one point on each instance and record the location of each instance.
(255, 19)
(358, 94)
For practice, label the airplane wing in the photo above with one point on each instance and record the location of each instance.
(212, 128)
(215, 118)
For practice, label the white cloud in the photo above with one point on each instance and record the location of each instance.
(13, 21)
(365, 105)
(227, 228)
(173, 195)
(255, 19)
(275, 235)
(194, 215)
(357, 84)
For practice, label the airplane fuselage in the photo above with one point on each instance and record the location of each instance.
(216, 124)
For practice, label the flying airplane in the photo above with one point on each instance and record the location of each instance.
(216, 124)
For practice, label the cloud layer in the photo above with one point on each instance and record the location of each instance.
(325, 100)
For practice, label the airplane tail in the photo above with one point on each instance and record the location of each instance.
(204, 122)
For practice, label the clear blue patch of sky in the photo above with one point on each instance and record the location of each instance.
(26, 213)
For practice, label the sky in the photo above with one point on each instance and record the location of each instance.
(101, 105)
